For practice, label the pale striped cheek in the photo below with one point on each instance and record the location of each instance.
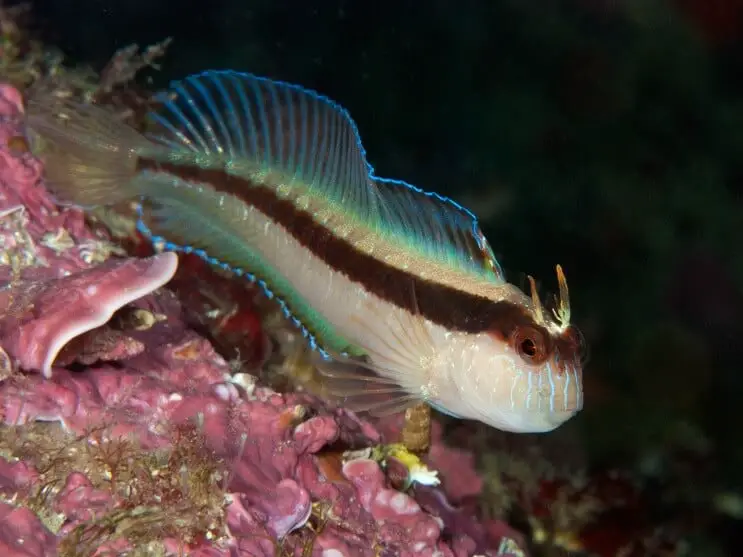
(550, 389)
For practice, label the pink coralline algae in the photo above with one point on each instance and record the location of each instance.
(40, 317)
(124, 430)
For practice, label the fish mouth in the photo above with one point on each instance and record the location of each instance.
(533, 422)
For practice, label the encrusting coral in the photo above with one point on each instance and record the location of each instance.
(38, 321)
(125, 432)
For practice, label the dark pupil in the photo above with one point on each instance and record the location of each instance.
(529, 347)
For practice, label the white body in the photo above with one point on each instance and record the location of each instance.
(472, 376)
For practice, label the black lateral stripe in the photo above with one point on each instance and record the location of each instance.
(441, 304)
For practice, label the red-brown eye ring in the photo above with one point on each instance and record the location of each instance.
(530, 344)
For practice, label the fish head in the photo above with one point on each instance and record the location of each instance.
(525, 372)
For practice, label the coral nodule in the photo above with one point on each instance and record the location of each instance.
(124, 432)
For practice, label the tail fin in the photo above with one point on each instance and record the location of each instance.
(90, 157)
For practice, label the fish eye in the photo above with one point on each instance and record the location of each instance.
(530, 344)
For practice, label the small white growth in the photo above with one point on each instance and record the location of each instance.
(91, 290)
(332, 553)
(244, 380)
(424, 476)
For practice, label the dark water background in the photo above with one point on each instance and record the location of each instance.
(603, 135)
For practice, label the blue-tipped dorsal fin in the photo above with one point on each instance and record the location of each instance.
(293, 138)
(280, 133)
(436, 227)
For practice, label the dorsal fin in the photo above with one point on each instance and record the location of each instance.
(293, 138)
(249, 124)
(436, 227)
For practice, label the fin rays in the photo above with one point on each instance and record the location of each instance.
(273, 128)
(278, 131)
(356, 385)
(437, 227)
(278, 135)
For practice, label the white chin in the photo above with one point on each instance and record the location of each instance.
(528, 423)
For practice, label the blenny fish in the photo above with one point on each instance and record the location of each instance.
(271, 181)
